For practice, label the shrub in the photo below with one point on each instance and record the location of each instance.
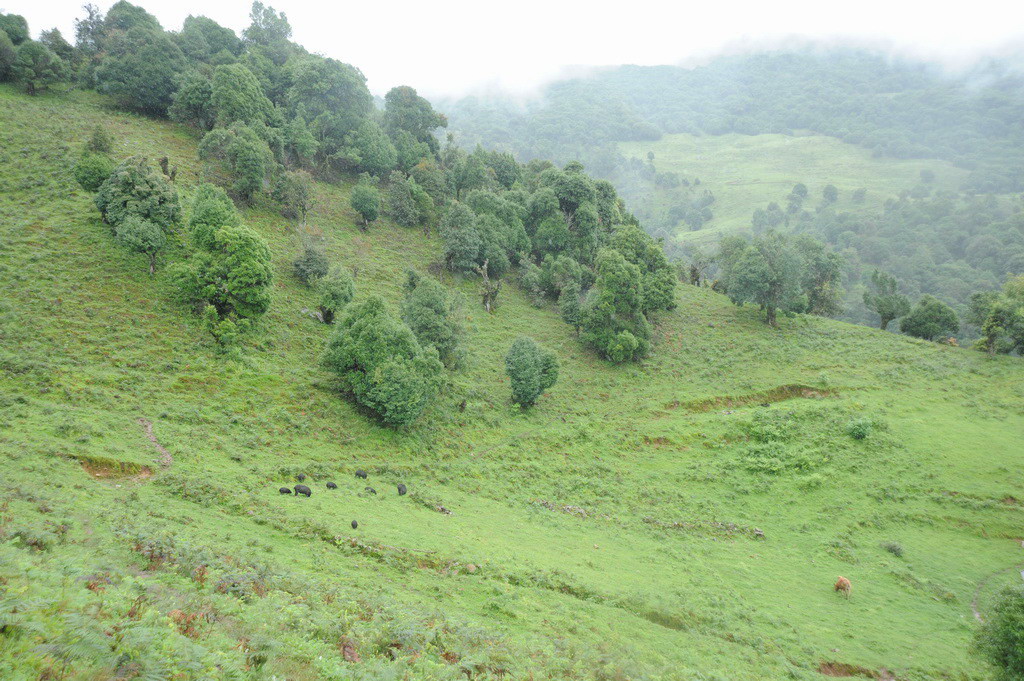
(430, 312)
(336, 291)
(211, 209)
(312, 264)
(100, 141)
(531, 370)
(859, 429)
(365, 200)
(92, 170)
(139, 235)
(894, 548)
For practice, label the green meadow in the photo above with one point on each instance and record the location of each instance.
(747, 172)
(683, 518)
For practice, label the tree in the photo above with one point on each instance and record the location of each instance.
(569, 306)
(930, 319)
(336, 291)
(612, 321)
(432, 315)
(405, 110)
(15, 26)
(885, 300)
(312, 264)
(236, 95)
(134, 188)
(239, 158)
(139, 235)
(141, 69)
(375, 154)
(36, 67)
(1001, 318)
(58, 45)
(830, 194)
(294, 191)
(1001, 637)
(399, 203)
(379, 361)
(7, 56)
(211, 209)
(365, 200)
(462, 242)
(92, 170)
(203, 38)
(233, 275)
(531, 370)
(100, 141)
(192, 103)
(822, 276)
(268, 27)
(767, 272)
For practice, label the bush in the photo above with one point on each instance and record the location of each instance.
(531, 370)
(92, 170)
(1001, 637)
(211, 209)
(312, 264)
(894, 548)
(430, 312)
(365, 200)
(139, 235)
(100, 141)
(859, 429)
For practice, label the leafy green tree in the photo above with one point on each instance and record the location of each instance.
(375, 154)
(203, 38)
(233, 276)
(365, 200)
(531, 370)
(139, 235)
(335, 99)
(7, 56)
(930, 319)
(211, 209)
(830, 194)
(100, 141)
(59, 46)
(379, 361)
(1001, 637)
(409, 151)
(405, 110)
(399, 204)
(1001, 318)
(884, 298)
(237, 157)
(570, 307)
(192, 103)
(15, 26)
(506, 170)
(123, 16)
(822, 278)
(134, 188)
(312, 265)
(336, 291)
(141, 69)
(431, 313)
(299, 143)
(268, 27)
(767, 272)
(236, 96)
(462, 241)
(293, 190)
(612, 321)
(36, 67)
(92, 170)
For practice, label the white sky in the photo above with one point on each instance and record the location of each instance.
(448, 48)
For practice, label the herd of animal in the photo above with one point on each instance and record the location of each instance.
(304, 490)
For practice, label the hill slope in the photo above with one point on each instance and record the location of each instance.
(612, 532)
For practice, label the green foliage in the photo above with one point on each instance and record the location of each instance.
(312, 264)
(16, 28)
(202, 39)
(930, 319)
(135, 188)
(236, 96)
(531, 370)
(211, 209)
(1001, 637)
(767, 272)
(462, 241)
(433, 316)
(884, 299)
(139, 235)
(399, 204)
(365, 200)
(570, 306)
(336, 291)
(193, 101)
(100, 141)
(405, 111)
(612, 319)
(293, 189)
(36, 67)
(374, 152)
(92, 170)
(1001, 318)
(7, 56)
(140, 68)
(238, 158)
(859, 429)
(379, 361)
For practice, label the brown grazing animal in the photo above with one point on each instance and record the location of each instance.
(843, 584)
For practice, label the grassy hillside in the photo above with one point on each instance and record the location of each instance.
(747, 172)
(613, 532)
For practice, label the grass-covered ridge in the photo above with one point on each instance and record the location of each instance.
(611, 532)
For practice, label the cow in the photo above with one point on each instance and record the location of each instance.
(301, 477)
(332, 485)
(285, 490)
(401, 489)
(355, 525)
(302, 489)
(843, 585)
(361, 474)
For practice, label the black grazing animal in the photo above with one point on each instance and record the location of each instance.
(302, 489)
(361, 474)
(370, 490)
(332, 485)
(401, 489)
(285, 490)
(301, 477)
(354, 524)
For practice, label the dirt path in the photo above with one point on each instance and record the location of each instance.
(983, 583)
(165, 459)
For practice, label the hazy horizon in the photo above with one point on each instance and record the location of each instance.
(450, 53)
